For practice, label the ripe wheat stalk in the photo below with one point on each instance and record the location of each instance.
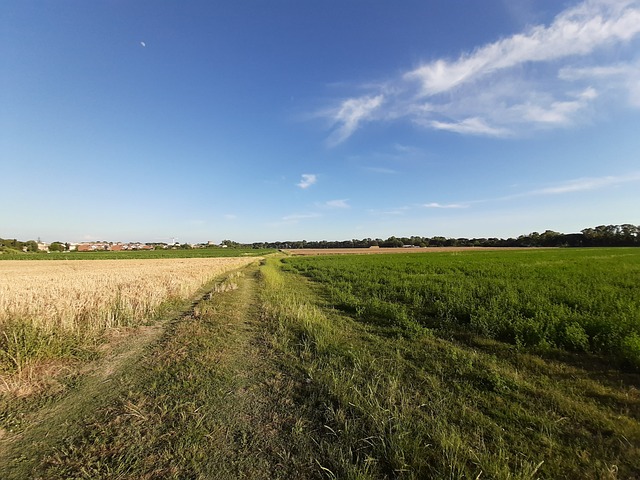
(87, 296)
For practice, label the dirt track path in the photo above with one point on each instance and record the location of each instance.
(209, 399)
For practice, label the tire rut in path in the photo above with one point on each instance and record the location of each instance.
(255, 411)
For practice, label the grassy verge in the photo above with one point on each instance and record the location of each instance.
(418, 406)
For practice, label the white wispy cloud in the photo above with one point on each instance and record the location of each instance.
(407, 149)
(584, 184)
(295, 217)
(307, 180)
(576, 31)
(350, 114)
(390, 160)
(614, 79)
(448, 205)
(383, 170)
(559, 112)
(576, 185)
(399, 211)
(342, 203)
(547, 76)
(474, 126)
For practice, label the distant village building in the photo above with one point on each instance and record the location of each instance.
(92, 247)
(111, 246)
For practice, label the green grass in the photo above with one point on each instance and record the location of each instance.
(585, 300)
(141, 254)
(400, 401)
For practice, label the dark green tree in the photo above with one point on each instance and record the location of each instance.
(56, 247)
(32, 246)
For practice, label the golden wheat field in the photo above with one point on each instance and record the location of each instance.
(85, 296)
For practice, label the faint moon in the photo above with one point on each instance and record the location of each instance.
(143, 44)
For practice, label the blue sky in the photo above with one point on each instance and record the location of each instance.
(281, 120)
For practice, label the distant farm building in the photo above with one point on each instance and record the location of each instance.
(112, 247)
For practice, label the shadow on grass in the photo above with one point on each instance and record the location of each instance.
(600, 379)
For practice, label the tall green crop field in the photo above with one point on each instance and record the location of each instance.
(585, 300)
(505, 365)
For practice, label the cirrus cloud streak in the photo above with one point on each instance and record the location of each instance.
(549, 76)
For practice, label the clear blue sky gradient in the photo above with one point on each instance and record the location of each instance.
(286, 120)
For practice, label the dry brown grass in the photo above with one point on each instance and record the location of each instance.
(81, 296)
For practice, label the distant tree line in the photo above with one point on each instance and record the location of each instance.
(626, 235)
(602, 236)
